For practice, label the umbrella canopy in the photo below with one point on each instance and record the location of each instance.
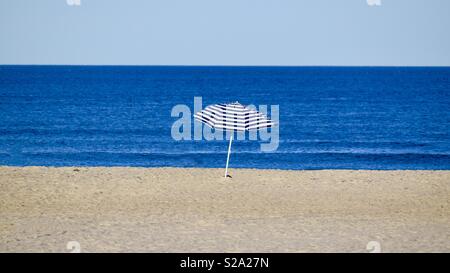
(232, 117)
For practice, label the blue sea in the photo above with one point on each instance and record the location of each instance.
(329, 117)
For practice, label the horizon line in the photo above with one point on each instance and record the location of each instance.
(226, 65)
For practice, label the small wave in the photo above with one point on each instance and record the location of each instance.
(181, 153)
(384, 142)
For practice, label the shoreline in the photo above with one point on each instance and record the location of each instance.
(217, 168)
(128, 209)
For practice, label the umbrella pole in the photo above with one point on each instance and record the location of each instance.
(228, 157)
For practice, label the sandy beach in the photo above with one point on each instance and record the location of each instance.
(196, 210)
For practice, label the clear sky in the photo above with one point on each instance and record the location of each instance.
(226, 32)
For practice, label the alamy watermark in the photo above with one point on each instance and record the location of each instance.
(374, 3)
(182, 127)
(73, 246)
(73, 2)
(374, 247)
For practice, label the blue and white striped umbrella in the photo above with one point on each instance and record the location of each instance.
(233, 117)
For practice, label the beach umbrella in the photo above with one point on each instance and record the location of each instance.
(232, 117)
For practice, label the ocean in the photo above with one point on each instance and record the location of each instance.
(329, 117)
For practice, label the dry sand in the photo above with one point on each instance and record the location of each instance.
(196, 210)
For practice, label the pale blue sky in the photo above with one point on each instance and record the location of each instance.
(225, 32)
